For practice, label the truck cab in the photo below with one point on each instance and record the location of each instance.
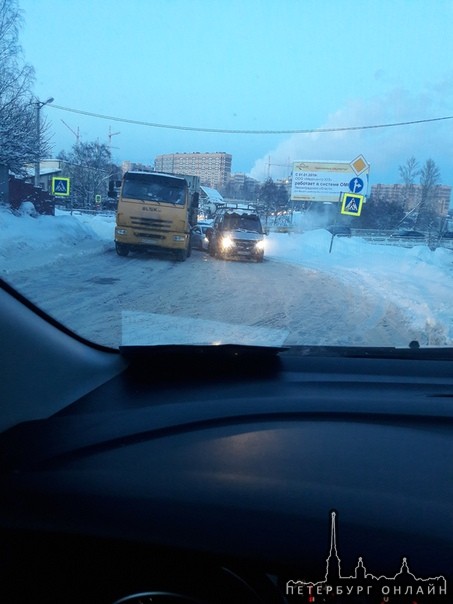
(156, 212)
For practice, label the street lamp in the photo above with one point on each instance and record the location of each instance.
(39, 104)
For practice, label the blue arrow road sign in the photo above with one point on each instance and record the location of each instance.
(356, 185)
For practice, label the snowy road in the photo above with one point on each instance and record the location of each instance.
(90, 294)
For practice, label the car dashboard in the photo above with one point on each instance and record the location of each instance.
(176, 475)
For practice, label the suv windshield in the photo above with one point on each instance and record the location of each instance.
(246, 222)
(272, 173)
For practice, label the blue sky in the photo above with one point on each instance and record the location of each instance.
(249, 65)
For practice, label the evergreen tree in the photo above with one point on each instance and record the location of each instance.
(282, 199)
(272, 197)
(380, 215)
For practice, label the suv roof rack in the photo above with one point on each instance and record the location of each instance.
(239, 208)
(238, 205)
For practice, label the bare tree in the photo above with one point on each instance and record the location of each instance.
(18, 140)
(89, 165)
(409, 171)
(427, 212)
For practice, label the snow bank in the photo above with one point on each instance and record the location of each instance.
(417, 280)
(28, 240)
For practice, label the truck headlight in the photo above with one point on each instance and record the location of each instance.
(260, 245)
(179, 238)
(121, 231)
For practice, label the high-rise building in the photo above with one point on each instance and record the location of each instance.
(214, 169)
(242, 187)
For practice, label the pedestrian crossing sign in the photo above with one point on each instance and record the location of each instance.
(352, 204)
(60, 186)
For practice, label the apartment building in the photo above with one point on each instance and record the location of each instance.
(214, 169)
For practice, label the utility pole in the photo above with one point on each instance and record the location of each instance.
(39, 105)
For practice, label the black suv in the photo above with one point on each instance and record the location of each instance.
(237, 233)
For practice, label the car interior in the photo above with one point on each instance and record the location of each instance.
(213, 474)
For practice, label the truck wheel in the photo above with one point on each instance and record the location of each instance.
(121, 249)
(211, 249)
(260, 258)
(181, 255)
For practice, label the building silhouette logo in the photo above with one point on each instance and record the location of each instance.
(362, 584)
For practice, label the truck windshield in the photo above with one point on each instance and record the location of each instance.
(153, 190)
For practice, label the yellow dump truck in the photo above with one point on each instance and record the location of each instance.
(156, 212)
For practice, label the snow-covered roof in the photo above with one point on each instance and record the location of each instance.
(212, 194)
(42, 171)
(149, 173)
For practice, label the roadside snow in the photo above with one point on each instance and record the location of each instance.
(30, 242)
(417, 280)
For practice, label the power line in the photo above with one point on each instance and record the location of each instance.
(226, 131)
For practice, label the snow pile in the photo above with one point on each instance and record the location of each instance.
(28, 240)
(417, 280)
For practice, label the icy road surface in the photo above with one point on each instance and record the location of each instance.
(358, 294)
(94, 296)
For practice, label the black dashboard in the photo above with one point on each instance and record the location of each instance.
(185, 476)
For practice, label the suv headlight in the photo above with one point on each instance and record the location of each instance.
(226, 242)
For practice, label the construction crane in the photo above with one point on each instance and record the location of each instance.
(269, 164)
(76, 134)
(110, 137)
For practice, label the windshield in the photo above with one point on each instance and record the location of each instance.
(325, 128)
(245, 222)
(152, 188)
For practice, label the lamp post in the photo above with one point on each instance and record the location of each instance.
(39, 104)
